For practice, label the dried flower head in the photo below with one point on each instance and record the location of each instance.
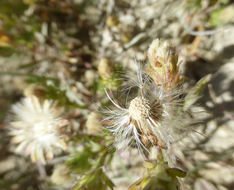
(148, 117)
(36, 128)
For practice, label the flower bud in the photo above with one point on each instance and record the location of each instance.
(61, 175)
(163, 64)
(105, 68)
(109, 78)
(34, 90)
(112, 21)
(93, 123)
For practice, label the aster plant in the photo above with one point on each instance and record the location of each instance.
(152, 112)
(150, 116)
(155, 115)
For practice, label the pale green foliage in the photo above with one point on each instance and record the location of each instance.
(196, 92)
(222, 16)
(159, 176)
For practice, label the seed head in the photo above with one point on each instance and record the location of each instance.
(139, 108)
(145, 122)
(154, 116)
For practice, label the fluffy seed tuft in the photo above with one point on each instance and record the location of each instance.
(139, 108)
(155, 114)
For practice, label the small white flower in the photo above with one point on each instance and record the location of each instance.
(148, 118)
(36, 128)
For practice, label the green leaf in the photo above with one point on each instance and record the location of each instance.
(222, 16)
(149, 165)
(95, 180)
(176, 172)
(81, 162)
(107, 181)
(196, 92)
(12, 7)
(7, 51)
(224, 1)
(139, 184)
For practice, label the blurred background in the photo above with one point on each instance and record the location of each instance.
(60, 48)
